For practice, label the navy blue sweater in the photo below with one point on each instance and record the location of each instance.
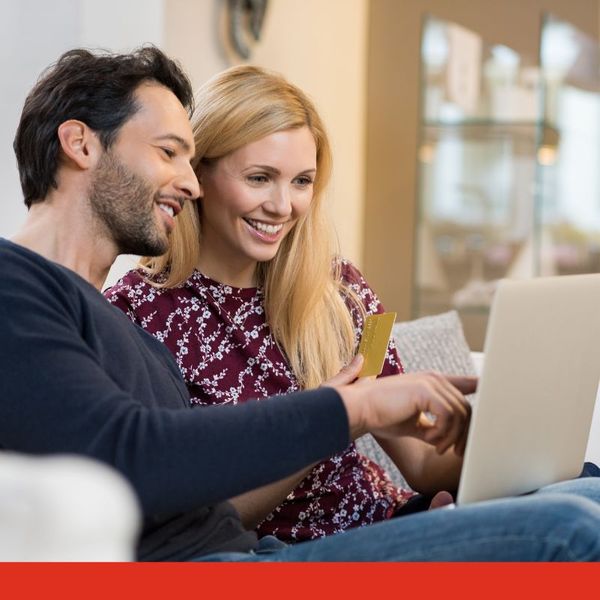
(76, 376)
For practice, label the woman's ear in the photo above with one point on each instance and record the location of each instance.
(79, 143)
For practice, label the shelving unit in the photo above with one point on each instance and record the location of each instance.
(497, 160)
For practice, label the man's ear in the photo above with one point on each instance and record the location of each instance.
(79, 143)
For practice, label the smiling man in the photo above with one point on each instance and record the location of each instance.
(105, 175)
(149, 165)
(104, 148)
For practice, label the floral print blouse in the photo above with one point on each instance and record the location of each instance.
(226, 353)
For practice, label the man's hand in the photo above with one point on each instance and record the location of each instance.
(427, 406)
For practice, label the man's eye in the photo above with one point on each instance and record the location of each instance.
(170, 153)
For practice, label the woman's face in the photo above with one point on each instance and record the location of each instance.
(253, 197)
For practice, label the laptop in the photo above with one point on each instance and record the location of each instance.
(535, 400)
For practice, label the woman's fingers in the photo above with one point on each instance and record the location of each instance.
(348, 374)
(461, 444)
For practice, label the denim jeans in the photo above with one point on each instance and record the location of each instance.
(560, 522)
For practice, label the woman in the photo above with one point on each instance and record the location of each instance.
(253, 302)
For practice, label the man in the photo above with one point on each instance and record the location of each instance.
(104, 148)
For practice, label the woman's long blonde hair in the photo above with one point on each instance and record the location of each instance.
(303, 291)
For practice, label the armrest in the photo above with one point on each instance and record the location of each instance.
(65, 508)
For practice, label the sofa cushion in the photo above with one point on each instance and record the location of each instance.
(435, 343)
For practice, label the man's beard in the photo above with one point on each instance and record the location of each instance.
(124, 204)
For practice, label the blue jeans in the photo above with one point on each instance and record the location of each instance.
(560, 522)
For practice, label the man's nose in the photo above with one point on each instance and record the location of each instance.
(187, 183)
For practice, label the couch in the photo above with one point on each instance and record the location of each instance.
(69, 508)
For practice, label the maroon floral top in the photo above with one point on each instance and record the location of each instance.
(226, 353)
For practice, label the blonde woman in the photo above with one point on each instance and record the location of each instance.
(252, 300)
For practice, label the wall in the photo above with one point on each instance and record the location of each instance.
(57, 26)
(322, 46)
(393, 114)
(20, 64)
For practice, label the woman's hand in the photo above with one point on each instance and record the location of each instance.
(348, 374)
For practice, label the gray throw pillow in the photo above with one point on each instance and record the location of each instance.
(435, 343)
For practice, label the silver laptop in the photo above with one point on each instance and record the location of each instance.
(534, 406)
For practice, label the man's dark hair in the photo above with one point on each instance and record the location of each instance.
(94, 87)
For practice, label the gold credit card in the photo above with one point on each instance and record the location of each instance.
(374, 342)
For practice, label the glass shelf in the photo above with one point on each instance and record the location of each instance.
(480, 125)
(569, 173)
(508, 162)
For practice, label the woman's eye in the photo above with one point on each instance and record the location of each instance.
(170, 153)
(257, 178)
(304, 181)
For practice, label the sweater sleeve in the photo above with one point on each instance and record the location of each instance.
(55, 397)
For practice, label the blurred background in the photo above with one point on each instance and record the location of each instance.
(466, 133)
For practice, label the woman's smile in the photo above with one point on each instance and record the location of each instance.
(264, 231)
